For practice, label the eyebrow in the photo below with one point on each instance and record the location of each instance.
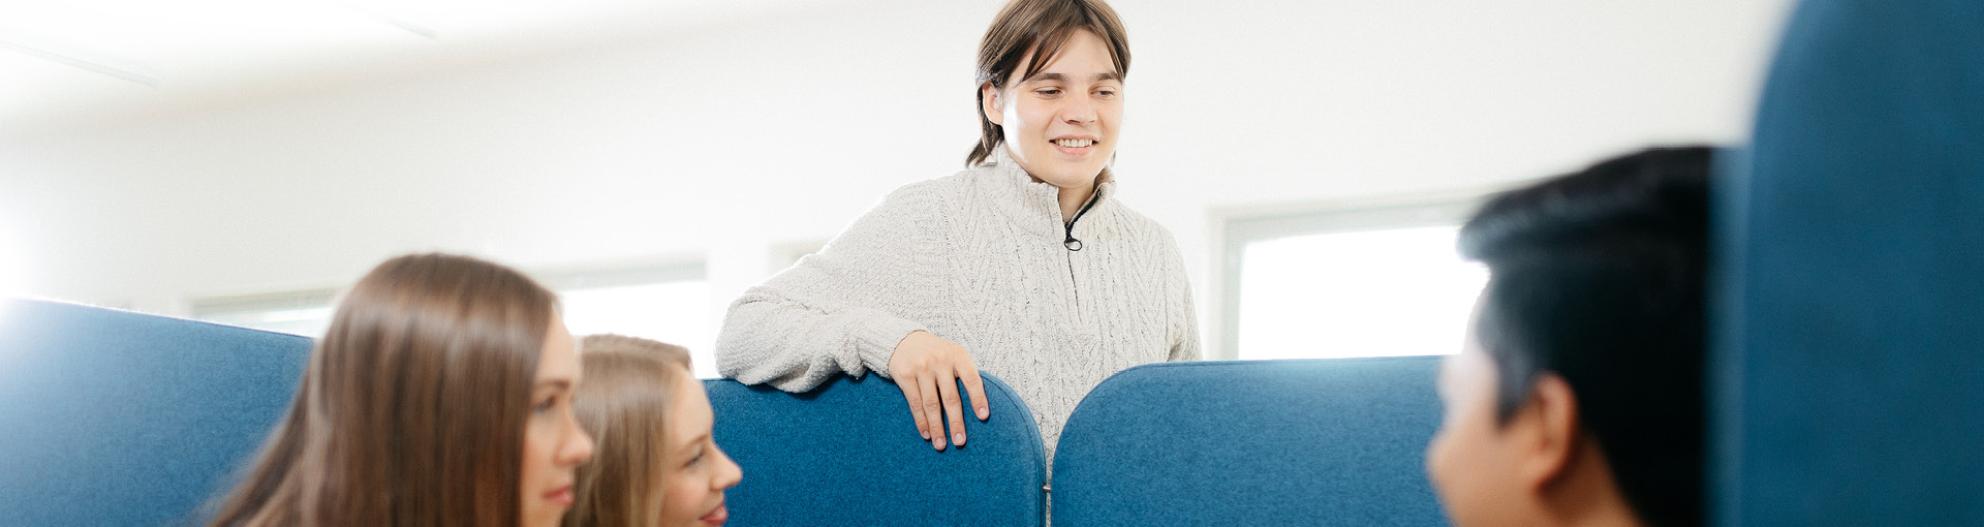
(561, 384)
(1056, 77)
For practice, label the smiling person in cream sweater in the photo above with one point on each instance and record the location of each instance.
(1023, 265)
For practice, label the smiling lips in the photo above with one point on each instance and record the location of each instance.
(716, 517)
(561, 496)
(1074, 146)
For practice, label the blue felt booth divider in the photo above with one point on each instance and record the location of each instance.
(848, 453)
(1850, 366)
(115, 418)
(1295, 442)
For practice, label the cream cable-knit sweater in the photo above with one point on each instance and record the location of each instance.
(977, 258)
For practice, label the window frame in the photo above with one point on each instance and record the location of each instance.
(622, 274)
(1234, 228)
(559, 279)
(206, 308)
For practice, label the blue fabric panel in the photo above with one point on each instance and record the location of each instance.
(1296, 442)
(848, 454)
(115, 418)
(1850, 374)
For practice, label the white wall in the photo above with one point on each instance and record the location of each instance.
(731, 139)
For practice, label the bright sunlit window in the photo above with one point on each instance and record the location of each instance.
(306, 313)
(669, 305)
(1388, 286)
(676, 312)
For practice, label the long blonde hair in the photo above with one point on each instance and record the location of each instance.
(624, 403)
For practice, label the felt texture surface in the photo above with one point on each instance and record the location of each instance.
(847, 453)
(1849, 375)
(1282, 442)
(116, 418)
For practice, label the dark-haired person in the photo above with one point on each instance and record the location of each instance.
(1024, 264)
(440, 395)
(1578, 400)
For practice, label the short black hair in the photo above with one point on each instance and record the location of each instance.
(1599, 278)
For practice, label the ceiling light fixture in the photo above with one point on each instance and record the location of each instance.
(402, 22)
(76, 60)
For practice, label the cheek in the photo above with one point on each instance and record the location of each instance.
(1448, 450)
(1109, 116)
(1440, 454)
(1018, 129)
(684, 497)
(1033, 117)
(539, 444)
(1459, 462)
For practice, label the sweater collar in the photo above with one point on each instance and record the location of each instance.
(1039, 206)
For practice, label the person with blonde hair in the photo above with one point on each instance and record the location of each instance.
(657, 463)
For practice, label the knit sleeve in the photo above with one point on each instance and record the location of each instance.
(842, 310)
(1184, 320)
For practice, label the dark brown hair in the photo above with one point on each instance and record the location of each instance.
(624, 403)
(1040, 26)
(411, 411)
(1600, 278)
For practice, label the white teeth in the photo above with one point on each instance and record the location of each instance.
(1074, 143)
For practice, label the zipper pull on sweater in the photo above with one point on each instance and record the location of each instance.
(1070, 242)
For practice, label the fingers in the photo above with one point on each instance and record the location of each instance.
(915, 399)
(976, 387)
(928, 370)
(947, 385)
(932, 410)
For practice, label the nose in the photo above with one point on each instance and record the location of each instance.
(1080, 110)
(728, 473)
(577, 447)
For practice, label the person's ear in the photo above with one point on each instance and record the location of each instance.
(992, 104)
(1550, 432)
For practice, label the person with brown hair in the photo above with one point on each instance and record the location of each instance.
(657, 463)
(1024, 263)
(440, 395)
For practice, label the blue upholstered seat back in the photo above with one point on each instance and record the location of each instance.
(1296, 442)
(1850, 371)
(848, 454)
(115, 418)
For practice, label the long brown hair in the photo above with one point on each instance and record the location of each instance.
(1041, 26)
(411, 411)
(624, 403)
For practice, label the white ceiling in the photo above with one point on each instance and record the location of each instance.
(74, 61)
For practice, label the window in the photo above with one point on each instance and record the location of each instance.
(306, 313)
(669, 302)
(1379, 281)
